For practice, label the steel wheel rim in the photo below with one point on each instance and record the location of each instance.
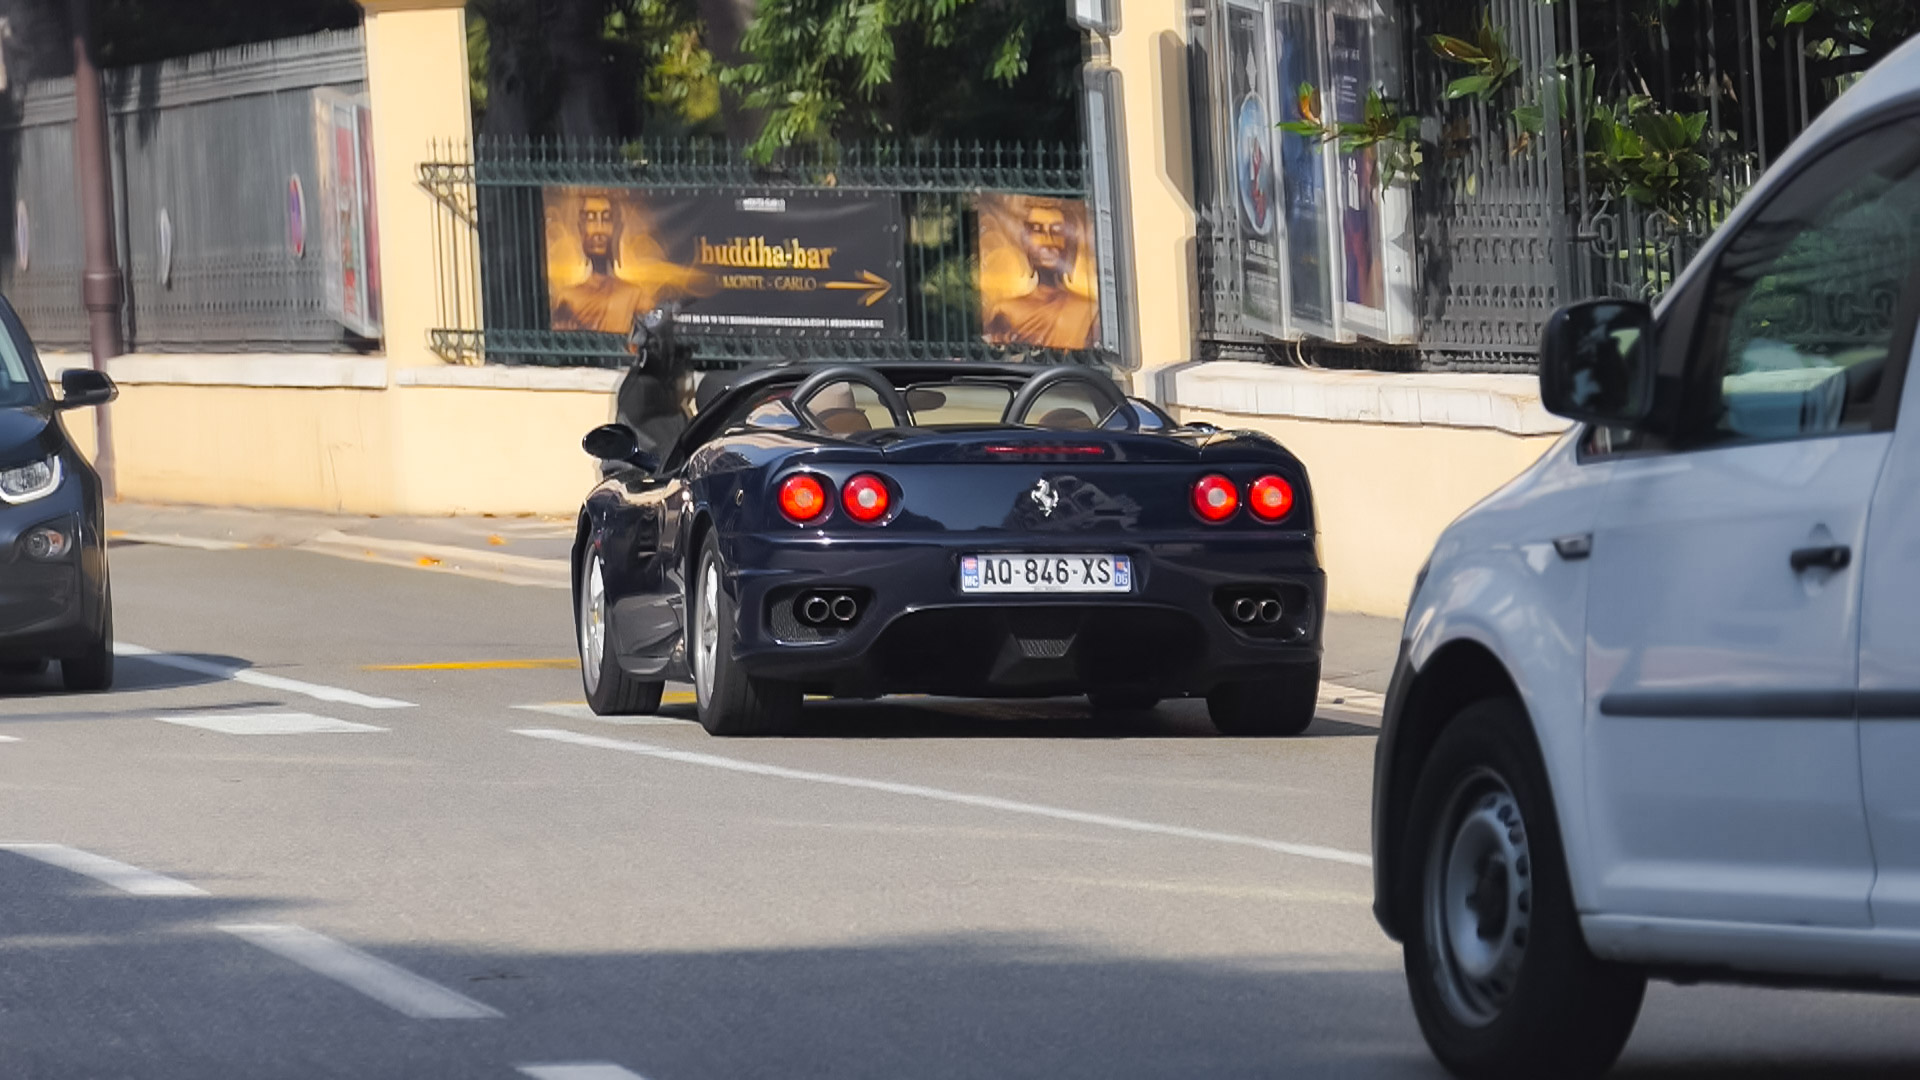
(706, 616)
(593, 624)
(1477, 899)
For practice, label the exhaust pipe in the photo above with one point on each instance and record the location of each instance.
(1246, 609)
(815, 609)
(844, 608)
(1270, 611)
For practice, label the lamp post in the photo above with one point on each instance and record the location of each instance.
(101, 284)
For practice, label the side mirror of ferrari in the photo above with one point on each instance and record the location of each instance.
(618, 443)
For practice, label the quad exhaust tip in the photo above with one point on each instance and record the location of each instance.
(827, 608)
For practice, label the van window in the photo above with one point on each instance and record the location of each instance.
(1810, 298)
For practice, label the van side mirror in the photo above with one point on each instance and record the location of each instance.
(618, 443)
(1597, 362)
(84, 387)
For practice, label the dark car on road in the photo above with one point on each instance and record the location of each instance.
(55, 602)
(956, 529)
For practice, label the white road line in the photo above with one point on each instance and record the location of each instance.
(255, 678)
(987, 802)
(268, 723)
(8, 738)
(582, 712)
(396, 988)
(128, 879)
(584, 1070)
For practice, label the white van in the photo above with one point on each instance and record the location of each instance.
(1657, 712)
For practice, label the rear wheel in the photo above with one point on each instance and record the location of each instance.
(24, 668)
(610, 690)
(730, 701)
(1500, 975)
(1281, 705)
(92, 670)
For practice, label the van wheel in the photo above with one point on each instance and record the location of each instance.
(1282, 705)
(1501, 978)
(730, 701)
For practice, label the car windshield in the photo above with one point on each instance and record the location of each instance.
(16, 387)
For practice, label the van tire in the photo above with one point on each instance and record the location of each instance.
(1502, 981)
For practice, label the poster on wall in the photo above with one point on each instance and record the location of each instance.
(1350, 77)
(800, 264)
(1309, 265)
(1038, 272)
(349, 225)
(1250, 127)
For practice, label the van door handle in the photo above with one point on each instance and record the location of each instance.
(1833, 557)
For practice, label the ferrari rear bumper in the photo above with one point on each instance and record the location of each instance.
(915, 632)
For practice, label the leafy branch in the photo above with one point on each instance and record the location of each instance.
(1493, 65)
(1393, 135)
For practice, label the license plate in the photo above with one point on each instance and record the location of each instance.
(1023, 573)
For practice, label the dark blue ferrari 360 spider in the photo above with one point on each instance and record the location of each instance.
(946, 528)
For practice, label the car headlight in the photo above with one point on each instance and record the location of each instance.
(25, 483)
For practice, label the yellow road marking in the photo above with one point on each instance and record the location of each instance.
(477, 665)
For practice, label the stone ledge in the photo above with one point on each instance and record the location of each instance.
(303, 371)
(1509, 403)
(509, 377)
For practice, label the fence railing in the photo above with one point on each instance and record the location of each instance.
(217, 188)
(495, 284)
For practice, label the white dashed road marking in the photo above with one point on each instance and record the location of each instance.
(256, 678)
(269, 724)
(128, 879)
(585, 1070)
(396, 988)
(582, 712)
(985, 802)
(8, 738)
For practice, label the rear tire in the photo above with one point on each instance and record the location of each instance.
(730, 701)
(610, 690)
(1501, 978)
(24, 669)
(1282, 705)
(92, 670)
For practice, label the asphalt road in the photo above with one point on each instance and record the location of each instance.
(456, 872)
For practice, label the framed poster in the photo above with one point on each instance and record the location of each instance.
(801, 264)
(1375, 286)
(1249, 157)
(1310, 257)
(348, 221)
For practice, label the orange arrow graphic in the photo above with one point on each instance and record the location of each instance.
(871, 283)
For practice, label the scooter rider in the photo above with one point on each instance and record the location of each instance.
(652, 398)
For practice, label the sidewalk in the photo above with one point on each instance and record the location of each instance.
(532, 550)
(525, 550)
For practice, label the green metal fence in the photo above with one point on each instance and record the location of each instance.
(490, 237)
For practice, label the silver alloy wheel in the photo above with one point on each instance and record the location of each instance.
(706, 629)
(1477, 899)
(593, 623)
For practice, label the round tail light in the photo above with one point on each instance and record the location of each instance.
(802, 498)
(866, 498)
(1215, 498)
(1270, 498)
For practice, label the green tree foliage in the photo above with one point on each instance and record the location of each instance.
(991, 69)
